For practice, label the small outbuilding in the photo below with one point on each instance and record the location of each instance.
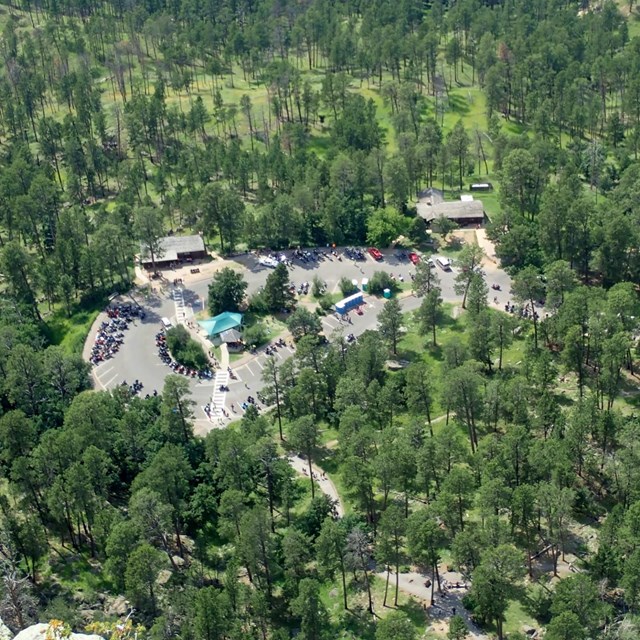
(481, 186)
(175, 249)
(233, 339)
(462, 212)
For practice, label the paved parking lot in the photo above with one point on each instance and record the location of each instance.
(138, 357)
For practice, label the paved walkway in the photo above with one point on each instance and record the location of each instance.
(178, 299)
(324, 482)
(486, 245)
(224, 356)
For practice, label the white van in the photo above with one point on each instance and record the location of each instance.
(166, 324)
(444, 263)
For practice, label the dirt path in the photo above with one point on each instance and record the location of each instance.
(413, 583)
(324, 482)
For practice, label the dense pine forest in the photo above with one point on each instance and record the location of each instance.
(506, 450)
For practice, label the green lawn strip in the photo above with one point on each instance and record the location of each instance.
(516, 615)
(71, 331)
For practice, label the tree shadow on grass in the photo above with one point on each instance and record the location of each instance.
(327, 460)
(406, 354)
(452, 324)
(564, 400)
(537, 603)
(435, 352)
(357, 622)
(459, 104)
(415, 612)
(453, 245)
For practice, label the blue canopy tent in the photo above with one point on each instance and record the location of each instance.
(222, 322)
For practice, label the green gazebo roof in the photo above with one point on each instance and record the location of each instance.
(222, 322)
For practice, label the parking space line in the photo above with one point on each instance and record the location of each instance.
(106, 384)
(250, 369)
(102, 372)
(258, 363)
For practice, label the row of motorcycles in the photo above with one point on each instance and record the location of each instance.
(108, 340)
(354, 253)
(165, 356)
(273, 348)
(111, 332)
(126, 311)
(306, 256)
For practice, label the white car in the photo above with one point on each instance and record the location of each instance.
(268, 262)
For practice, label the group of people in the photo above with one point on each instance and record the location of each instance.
(210, 408)
(136, 387)
(110, 335)
(317, 477)
(527, 311)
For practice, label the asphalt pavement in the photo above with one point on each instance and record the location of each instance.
(138, 358)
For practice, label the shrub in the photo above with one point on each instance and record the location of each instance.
(347, 287)
(380, 281)
(185, 349)
(256, 335)
(258, 304)
(317, 287)
(326, 303)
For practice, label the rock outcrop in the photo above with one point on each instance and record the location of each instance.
(39, 632)
(5, 632)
